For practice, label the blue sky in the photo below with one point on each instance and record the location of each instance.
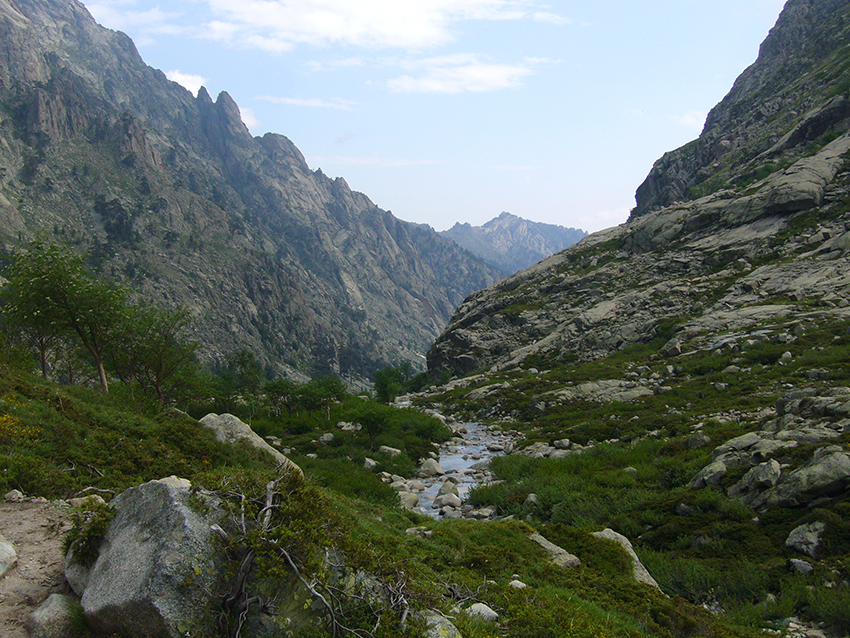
(457, 110)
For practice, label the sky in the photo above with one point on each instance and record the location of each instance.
(447, 111)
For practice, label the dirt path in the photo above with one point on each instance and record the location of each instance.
(35, 529)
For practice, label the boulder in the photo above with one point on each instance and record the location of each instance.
(56, 617)
(369, 464)
(449, 487)
(827, 474)
(800, 566)
(639, 572)
(438, 626)
(806, 538)
(230, 429)
(389, 451)
(447, 500)
(759, 478)
(408, 500)
(8, 556)
(430, 468)
(156, 566)
(711, 474)
(480, 610)
(557, 555)
(327, 438)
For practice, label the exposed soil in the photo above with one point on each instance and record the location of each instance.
(35, 528)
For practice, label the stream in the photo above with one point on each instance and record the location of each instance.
(464, 461)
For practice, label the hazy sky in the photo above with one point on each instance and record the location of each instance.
(457, 110)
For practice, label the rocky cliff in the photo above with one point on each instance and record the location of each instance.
(770, 243)
(788, 104)
(171, 194)
(511, 243)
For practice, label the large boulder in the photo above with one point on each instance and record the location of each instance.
(558, 556)
(56, 617)
(639, 572)
(156, 567)
(8, 556)
(806, 538)
(230, 429)
(826, 475)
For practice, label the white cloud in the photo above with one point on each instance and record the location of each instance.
(692, 120)
(120, 15)
(370, 160)
(551, 18)
(459, 73)
(406, 24)
(602, 219)
(248, 118)
(333, 103)
(188, 81)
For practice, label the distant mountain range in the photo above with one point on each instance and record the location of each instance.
(171, 194)
(511, 243)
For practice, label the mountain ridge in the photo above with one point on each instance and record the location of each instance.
(171, 194)
(511, 243)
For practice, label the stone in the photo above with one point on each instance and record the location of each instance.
(230, 429)
(698, 441)
(56, 617)
(327, 438)
(806, 538)
(827, 474)
(408, 500)
(449, 487)
(639, 572)
(389, 451)
(683, 509)
(449, 499)
(86, 500)
(369, 464)
(711, 474)
(557, 555)
(8, 556)
(562, 444)
(800, 566)
(763, 476)
(175, 482)
(517, 584)
(482, 611)
(438, 626)
(156, 541)
(430, 468)
(530, 501)
(14, 496)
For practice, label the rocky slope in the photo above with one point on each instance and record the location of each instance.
(172, 194)
(772, 248)
(511, 243)
(791, 101)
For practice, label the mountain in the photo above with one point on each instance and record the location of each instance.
(769, 243)
(682, 379)
(511, 243)
(171, 194)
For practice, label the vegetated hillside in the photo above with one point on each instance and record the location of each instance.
(172, 194)
(511, 243)
(704, 345)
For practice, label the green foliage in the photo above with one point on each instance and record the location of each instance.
(89, 525)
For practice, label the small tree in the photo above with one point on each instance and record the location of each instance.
(281, 393)
(49, 287)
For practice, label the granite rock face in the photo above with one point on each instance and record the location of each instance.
(171, 193)
(511, 243)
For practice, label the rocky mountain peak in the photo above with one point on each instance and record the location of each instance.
(267, 255)
(511, 243)
(792, 96)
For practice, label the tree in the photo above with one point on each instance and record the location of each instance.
(281, 393)
(49, 287)
(163, 360)
(390, 382)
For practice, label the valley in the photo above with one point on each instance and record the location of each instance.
(253, 404)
